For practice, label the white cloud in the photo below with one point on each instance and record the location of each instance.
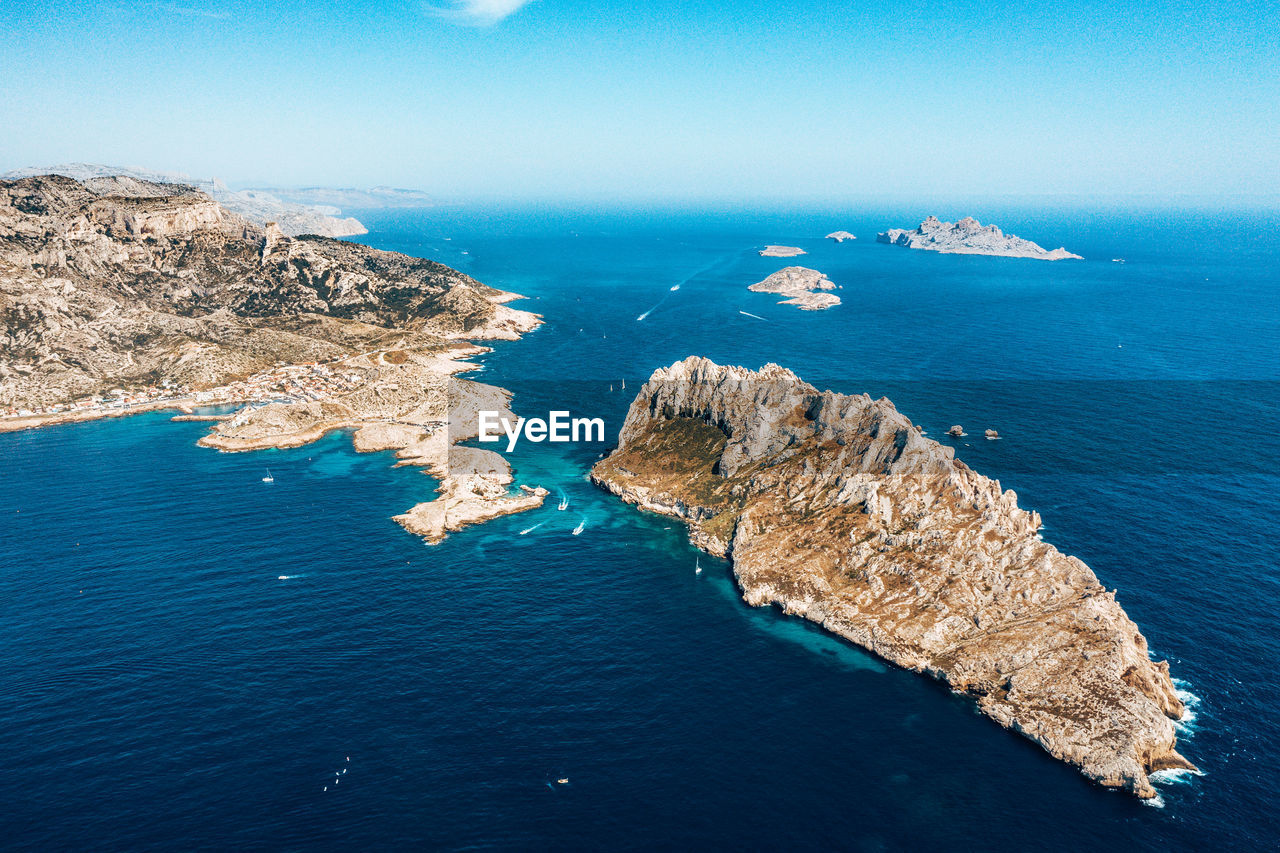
(479, 13)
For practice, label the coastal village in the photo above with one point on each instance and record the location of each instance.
(284, 382)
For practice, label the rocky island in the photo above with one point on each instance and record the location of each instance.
(969, 237)
(841, 236)
(119, 295)
(781, 251)
(837, 509)
(799, 284)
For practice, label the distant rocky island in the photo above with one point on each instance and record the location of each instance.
(781, 251)
(802, 287)
(841, 236)
(313, 210)
(837, 509)
(119, 295)
(969, 237)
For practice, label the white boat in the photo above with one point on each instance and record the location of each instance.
(697, 566)
(578, 529)
(268, 478)
(564, 503)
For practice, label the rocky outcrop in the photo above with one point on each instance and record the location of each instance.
(118, 282)
(837, 509)
(258, 206)
(781, 251)
(968, 237)
(841, 236)
(802, 287)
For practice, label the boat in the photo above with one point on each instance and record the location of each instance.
(562, 781)
(268, 478)
(697, 566)
(564, 502)
(581, 525)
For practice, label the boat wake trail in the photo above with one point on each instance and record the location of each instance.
(531, 529)
(670, 291)
(749, 314)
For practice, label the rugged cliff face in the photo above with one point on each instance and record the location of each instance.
(837, 509)
(121, 282)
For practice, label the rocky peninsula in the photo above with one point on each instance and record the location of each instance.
(119, 295)
(837, 509)
(781, 251)
(802, 287)
(969, 237)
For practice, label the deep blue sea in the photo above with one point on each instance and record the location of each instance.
(195, 659)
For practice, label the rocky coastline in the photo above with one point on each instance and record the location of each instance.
(838, 510)
(119, 296)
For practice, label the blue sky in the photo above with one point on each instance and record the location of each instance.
(656, 98)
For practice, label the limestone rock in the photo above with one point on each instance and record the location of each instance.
(968, 237)
(837, 509)
(121, 282)
(799, 284)
(841, 236)
(258, 206)
(781, 251)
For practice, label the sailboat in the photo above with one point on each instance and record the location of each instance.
(578, 529)
(268, 478)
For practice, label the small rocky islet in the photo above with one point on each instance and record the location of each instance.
(802, 286)
(837, 509)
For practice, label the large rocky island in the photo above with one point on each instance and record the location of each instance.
(968, 237)
(837, 509)
(119, 295)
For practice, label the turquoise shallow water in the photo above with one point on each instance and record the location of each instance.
(164, 687)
